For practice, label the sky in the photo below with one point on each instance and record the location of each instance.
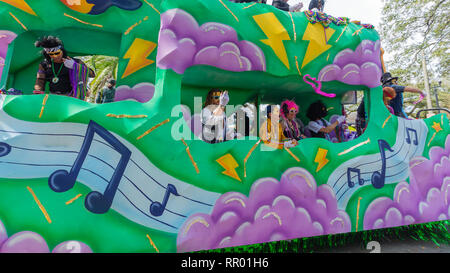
(366, 11)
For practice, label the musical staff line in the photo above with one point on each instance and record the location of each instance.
(390, 167)
(103, 161)
(96, 174)
(363, 164)
(369, 173)
(98, 141)
(41, 148)
(407, 146)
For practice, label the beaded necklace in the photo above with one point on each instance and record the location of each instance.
(55, 79)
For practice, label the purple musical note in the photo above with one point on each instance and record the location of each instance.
(96, 202)
(156, 208)
(351, 184)
(377, 177)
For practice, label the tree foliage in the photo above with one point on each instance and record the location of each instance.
(411, 26)
(105, 68)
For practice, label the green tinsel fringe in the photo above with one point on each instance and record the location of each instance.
(436, 232)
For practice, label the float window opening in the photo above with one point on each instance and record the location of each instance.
(223, 122)
(64, 75)
(24, 71)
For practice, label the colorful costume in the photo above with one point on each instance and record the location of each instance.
(273, 138)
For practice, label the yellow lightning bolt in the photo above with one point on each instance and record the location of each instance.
(317, 36)
(321, 159)
(229, 164)
(275, 33)
(20, 4)
(138, 53)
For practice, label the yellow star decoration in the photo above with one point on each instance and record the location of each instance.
(20, 4)
(437, 127)
(317, 36)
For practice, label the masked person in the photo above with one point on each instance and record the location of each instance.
(318, 126)
(65, 75)
(316, 5)
(397, 102)
(283, 5)
(293, 128)
(271, 131)
(214, 119)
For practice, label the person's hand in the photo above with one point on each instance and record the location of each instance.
(341, 119)
(69, 63)
(296, 7)
(224, 98)
(38, 92)
(289, 144)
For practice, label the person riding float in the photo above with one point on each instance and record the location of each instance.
(318, 126)
(397, 102)
(65, 75)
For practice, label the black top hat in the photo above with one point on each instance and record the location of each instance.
(387, 77)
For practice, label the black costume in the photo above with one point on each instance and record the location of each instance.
(279, 4)
(63, 85)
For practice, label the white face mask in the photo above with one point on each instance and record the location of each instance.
(53, 49)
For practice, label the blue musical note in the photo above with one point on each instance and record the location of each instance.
(5, 149)
(377, 177)
(96, 202)
(100, 6)
(156, 208)
(351, 184)
(408, 138)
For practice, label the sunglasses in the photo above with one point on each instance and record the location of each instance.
(56, 53)
(293, 111)
(216, 97)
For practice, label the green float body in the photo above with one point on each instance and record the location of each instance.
(119, 29)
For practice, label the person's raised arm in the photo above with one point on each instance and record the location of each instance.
(331, 127)
(414, 90)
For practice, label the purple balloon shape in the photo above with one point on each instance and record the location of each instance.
(72, 247)
(25, 242)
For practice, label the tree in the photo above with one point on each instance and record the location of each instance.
(411, 26)
(105, 68)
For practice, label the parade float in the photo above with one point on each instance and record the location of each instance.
(135, 176)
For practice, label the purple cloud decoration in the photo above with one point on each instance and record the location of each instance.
(359, 67)
(183, 43)
(6, 37)
(32, 242)
(142, 92)
(425, 199)
(293, 207)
